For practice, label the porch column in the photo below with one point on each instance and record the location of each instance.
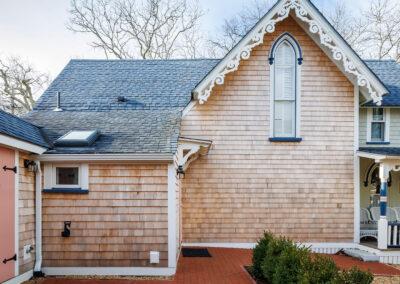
(383, 223)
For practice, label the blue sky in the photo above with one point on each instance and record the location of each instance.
(35, 30)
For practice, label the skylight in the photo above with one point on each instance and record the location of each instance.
(77, 138)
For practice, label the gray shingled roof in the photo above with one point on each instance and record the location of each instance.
(156, 92)
(388, 72)
(391, 151)
(16, 127)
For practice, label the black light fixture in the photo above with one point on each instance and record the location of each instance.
(180, 172)
(30, 165)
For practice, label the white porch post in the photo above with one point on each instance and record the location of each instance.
(383, 223)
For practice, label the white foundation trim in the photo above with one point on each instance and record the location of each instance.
(104, 157)
(16, 218)
(313, 246)
(16, 143)
(109, 271)
(21, 278)
(171, 216)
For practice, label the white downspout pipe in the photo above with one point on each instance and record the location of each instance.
(38, 221)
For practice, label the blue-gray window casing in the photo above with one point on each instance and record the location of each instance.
(288, 38)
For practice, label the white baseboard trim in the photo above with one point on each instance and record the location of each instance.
(110, 271)
(315, 247)
(221, 245)
(20, 278)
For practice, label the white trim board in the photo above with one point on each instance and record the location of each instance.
(167, 158)
(21, 278)
(110, 271)
(16, 206)
(316, 246)
(171, 216)
(22, 145)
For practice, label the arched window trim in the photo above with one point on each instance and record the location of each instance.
(288, 38)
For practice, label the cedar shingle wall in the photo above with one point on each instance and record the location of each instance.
(26, 213)
(118, 223)
(246, 184)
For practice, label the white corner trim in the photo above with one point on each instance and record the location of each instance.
(110, 271)
(21, 278)
(306, 12)
(16, 208)
(105, 157)
(22, 145)
(188, 108)
(171, 216)
(38, 218)
(356, 175)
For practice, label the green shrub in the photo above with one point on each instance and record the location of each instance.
(274, 250)
(321, 270)
(355, 276)
(259, 253)
(291, 266)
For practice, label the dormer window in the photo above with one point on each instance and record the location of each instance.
(285, 63)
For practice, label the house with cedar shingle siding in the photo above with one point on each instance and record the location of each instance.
(291, 132)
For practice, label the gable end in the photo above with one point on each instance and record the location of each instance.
(354, 68)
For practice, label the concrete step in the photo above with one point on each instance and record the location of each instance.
(362, 255)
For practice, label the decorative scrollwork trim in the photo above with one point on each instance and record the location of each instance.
(267, 25)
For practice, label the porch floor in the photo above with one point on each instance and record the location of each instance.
(226, 266)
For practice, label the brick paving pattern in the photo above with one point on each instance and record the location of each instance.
(226, 266)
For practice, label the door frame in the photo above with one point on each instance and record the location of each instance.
(16, 211)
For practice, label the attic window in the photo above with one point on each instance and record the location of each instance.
(77, 138)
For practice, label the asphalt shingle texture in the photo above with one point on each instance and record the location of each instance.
(156, 92)
(388, 72)
(16, 127)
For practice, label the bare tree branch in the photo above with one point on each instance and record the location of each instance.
(20, 85)
(146, 29)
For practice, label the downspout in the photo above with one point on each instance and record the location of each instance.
(38, 220)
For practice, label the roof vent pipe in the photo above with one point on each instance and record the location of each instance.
(58, 108)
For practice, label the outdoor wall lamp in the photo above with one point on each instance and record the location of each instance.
(30, 165)
(180, 172)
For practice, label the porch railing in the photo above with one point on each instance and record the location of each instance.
(393, 235)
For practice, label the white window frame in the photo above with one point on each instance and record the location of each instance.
(288, 38)
(50, 176)
(386, 115)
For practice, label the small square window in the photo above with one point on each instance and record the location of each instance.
(67, 176)
(377, 114)
(378, 131)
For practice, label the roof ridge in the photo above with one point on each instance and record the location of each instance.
(146, 60)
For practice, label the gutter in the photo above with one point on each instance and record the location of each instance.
(37, 270)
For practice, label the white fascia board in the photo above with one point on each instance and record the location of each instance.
(22, 145)
(20, 278)
(109, 271)
(166, 158)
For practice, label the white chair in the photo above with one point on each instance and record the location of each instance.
(391, 215)
(368, 227)
(375, 213)
(365, 217)
(397, 209)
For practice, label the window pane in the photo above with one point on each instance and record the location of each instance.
(284, 83)
(377, 114)
(284, 119)
(285, 54)
(378, 131)
(67, 176)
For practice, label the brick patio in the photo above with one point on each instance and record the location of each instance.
(226, 266)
